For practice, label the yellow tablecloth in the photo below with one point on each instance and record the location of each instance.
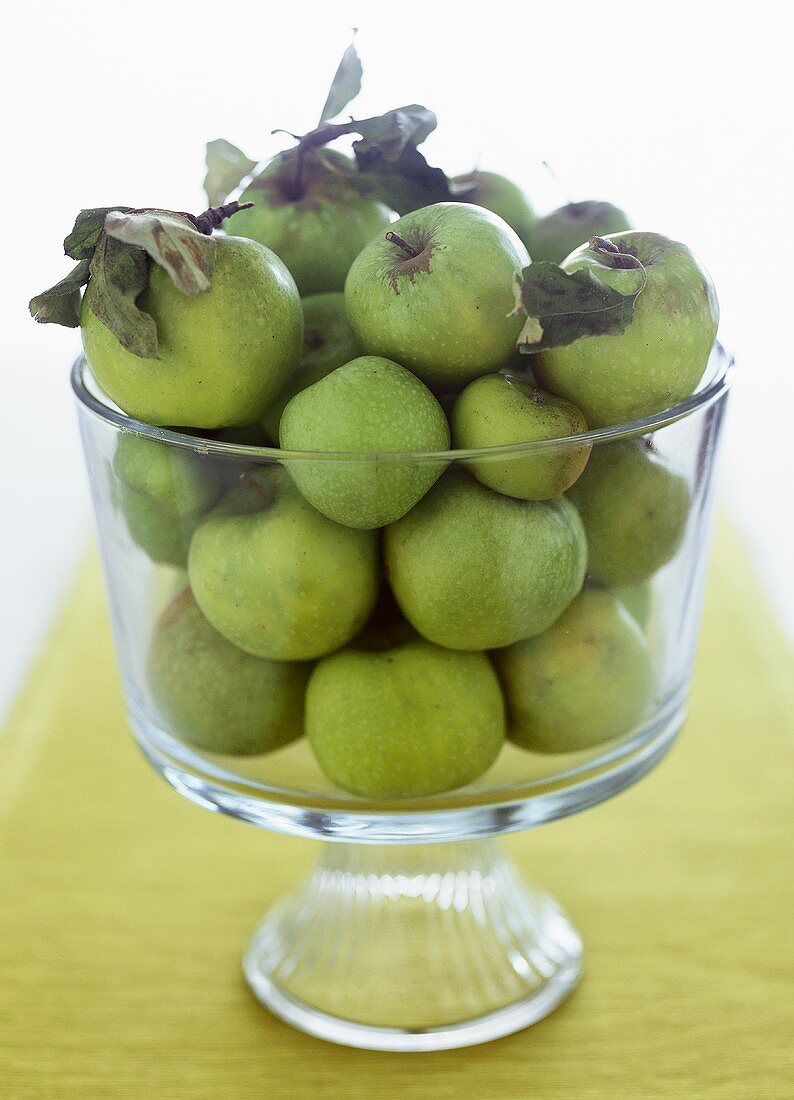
(124, 909)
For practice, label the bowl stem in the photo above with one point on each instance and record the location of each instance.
(414, 947)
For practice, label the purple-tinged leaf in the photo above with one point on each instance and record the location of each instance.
(390, 133)
(404, 184)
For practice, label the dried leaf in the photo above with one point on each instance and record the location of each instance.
(531, 333)
(404, 184)
(562, 307)
(227, 167)
(345, 86)
(119, 273)
(88, 226)
(60, 305)
(390, 133)
(186, 254)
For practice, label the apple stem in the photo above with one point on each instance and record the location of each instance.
(314, 140)
(297, 179)
(563, 190)
(395, 238)
(617, 257)
(601, 244)
(266, 496)
(212, 218)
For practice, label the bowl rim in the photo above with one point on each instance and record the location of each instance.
(714, 384)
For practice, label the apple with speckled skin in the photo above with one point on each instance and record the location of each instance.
(436, 293)
(216, 697)
(557, 234)
(634, 509)
(638, 601)
(500, 195)
(277, 578)
(314, 219)
(328, 343)
(162, 492)
(370, 405)
(403, 718)
(223, 354)
(473, 569)
(500, 409)
(585, 680)
(660, 356)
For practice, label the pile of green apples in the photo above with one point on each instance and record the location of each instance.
(432, 555)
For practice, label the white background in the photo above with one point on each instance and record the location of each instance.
(679, 112)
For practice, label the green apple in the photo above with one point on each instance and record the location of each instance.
(214, 696)
(502, 196)
(587, 679)
(556, 235)
(277, 578)
(499, 409)
(634, 510)
(328, 343)
(638, 601)
(163, 492)
(315, 220)
(404, 720)
(472, 569)
(437, 292)
(369, 405)
(660, 356)
(223, 354)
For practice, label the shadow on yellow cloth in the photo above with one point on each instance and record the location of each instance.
(125, 910)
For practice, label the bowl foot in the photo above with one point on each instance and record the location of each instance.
(412, 948)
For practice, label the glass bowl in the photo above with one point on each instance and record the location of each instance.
(397, 941)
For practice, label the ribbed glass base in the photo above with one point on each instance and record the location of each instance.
(414, 947)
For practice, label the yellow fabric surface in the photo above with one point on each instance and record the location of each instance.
(125, 909)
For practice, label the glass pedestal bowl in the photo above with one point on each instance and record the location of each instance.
(415, 932)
